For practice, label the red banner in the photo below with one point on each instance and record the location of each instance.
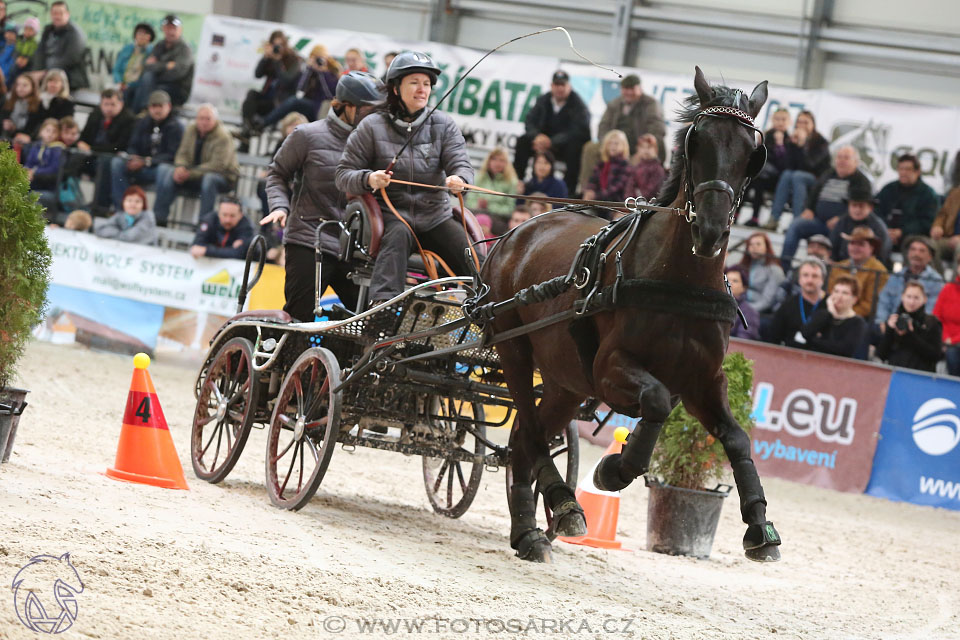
(817, 416)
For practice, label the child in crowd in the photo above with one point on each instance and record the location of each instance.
(496, 174)
(22, 113)
(648, 173)
(78, 220)
(26, 46)
(43, 161)
(8, 53)
(69, 132)
(519, 216)
(543, 180)
(610, 177)
(536, 208)
(486, 225)
(55, 95)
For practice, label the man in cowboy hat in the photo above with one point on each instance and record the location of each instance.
(860, 213)
(862, 244)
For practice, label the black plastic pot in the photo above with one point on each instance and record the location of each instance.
(12, 404)
(683, 522)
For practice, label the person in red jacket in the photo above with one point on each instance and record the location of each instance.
(947, 310)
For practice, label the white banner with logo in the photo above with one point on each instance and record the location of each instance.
(491, 104)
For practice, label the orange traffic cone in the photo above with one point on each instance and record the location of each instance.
(601, 508)
(145, 453)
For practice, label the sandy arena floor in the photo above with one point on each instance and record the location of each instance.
(221, 562)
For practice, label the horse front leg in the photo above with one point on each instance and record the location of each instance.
(710, 406)
(630, 390)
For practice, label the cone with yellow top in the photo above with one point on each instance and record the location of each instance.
(145, 453)
(601, 508)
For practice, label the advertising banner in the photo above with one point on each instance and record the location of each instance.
(918, 456)
(817, 417)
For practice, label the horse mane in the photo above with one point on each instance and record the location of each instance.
(722, 96)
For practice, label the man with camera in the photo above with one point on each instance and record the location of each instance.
(318, 85)
(911, 337)
(280, 68)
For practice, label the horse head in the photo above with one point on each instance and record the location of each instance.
(716, 156)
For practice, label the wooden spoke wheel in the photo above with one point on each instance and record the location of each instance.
(303, 429)
(565, 451)
(452, 484)
(225, 410)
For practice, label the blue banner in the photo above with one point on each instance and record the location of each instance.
(918, 456)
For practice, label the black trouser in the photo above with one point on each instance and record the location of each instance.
(447, 240)
(300, 283)
(256, 103)
(568, 153)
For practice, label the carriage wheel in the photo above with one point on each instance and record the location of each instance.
(225, 410)
(303, 429)
(452, 485)
(565, 451)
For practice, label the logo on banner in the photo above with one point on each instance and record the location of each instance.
(936, 428)
(219, 291)
(805, 413)
(869, 138)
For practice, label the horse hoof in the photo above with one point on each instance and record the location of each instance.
(763, 554)
(534, 547)
(569, 520)
(607, 475)
(760, 542)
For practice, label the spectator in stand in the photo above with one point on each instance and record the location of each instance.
(764, 272)
(318, 82)
(78, 220)
(205, 163)
(647, 172)
(353, 60)
(778, 143)
(5, 20)
(8, 53)
(486, 225)
(518, 217)
(908, 205)
(224, 233)
(154, 141)
(26, 49)
(947, 310)
(819, 247)
(799, 307)
(559, 122)
(837, 329)
(69, 132)
(496, 174)
(133, 222)
(42, 161)
(610, 177)
(130, 61)
(738, 278)
(543, 181)
(387, 59)
(280, 68)
(107, 131)
(808, 156)
(912, 338)
(535, 208)
(826, 201)
(870, 274)
(919, 253)
(61, 47)
(633, 113)
(23, 112)
(169, 67)
(945, 231)
(55, 95)
(859, 213)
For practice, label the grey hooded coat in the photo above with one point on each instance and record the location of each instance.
(437, 151)
(301, 180)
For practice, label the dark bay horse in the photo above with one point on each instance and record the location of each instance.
(643, 354)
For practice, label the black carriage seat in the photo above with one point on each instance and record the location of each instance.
(365, 228)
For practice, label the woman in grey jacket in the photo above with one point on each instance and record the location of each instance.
(436, 155)
(135, 223)
(302, 194)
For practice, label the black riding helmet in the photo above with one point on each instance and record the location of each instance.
(412, 62)
(360, 88)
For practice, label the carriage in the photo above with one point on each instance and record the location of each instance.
(411, 375)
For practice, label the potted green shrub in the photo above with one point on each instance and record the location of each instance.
(24, 278)
(682, 513)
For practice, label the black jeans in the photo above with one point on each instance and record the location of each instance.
(447, 240)
(300, 282)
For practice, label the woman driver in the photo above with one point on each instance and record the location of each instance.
(436, 155)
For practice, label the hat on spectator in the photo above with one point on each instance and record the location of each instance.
(632, 80)
(860, 193)
(159, 97)
(560, 77)
(820, 239)
(171, 18)
(863, 234)
(11, 27)
(32, 22)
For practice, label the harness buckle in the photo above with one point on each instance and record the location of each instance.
(585, 275)
(689, 212)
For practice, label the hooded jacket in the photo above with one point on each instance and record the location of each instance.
(437, 151)
(301, 180)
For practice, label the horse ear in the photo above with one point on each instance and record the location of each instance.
(66, 556)
(704, 92)
(757, 98)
